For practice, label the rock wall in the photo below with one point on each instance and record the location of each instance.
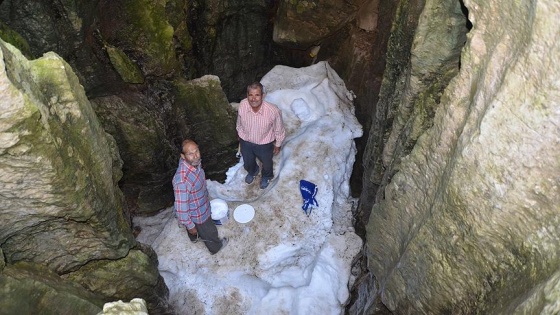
(128, 56)
(466, 220)
(460, 168)
(60, 206)
(303, 24)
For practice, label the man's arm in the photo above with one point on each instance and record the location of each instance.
(181, 205)
(239, 122)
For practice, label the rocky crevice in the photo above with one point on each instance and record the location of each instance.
(457, 99)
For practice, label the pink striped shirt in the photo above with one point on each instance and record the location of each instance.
(262, 127)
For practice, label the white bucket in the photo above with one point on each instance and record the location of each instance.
(220, 211)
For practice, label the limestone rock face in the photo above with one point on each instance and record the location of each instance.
(208, 118)
(232, 39)
(357, 53)
(469, 222)
(149, 162)
(60, 206)
(28, 288)
(142, 29)
(67, 28)
(137, 275)
(57, 180)
(128, 54)
(304, 23)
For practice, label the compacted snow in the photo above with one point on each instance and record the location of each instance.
(282, 261)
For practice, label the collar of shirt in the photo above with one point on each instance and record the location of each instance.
(261, 110)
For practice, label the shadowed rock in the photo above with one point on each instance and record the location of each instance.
(205, 115)
(60, 206)
(467, 220)
(302, 24)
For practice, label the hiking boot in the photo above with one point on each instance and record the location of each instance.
(224, 243)
(264, 182)
(193, 238)
(250, 178)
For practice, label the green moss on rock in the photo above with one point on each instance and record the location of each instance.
(137, 273)
(203, 113)
(148, 31)
(126, 68)
(12, 37)
(27, 288)
(207, 108)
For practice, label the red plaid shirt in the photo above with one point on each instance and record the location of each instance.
(261, 127)
(191, 195)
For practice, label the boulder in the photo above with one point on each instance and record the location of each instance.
(148, 158)
(134, 307)
(202, 113)
(28, 288)
(60, 206)
(302, 24)
(467, 219)
(141, 29)
(60, 203)
(132, 276)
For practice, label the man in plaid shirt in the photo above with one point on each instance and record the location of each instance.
(192, 206)
(261, 132)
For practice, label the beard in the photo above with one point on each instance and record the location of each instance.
(194, 162)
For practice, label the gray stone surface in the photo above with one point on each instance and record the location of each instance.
(209, 119)
(27, 288)
(56, 169)
(60, 207)
(135, 275)
(129, 53)
(302, 24)
(148, 164)
(469, 223)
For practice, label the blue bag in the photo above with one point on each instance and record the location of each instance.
(308, 192)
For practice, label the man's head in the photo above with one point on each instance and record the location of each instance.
(255, 95)
(190, 152)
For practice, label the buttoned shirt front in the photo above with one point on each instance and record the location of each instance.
(261, 127)
(192, 204)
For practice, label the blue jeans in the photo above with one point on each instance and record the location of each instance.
(264, 152)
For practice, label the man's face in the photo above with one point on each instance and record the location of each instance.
(191, 154)
(255, 97)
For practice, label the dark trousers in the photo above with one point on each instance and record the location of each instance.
(208, 233)
(264, 152)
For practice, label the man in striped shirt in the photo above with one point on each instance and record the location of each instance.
(192, 205)
(261, 133)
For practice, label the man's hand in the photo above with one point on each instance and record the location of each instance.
(276, 150)
(192, 231)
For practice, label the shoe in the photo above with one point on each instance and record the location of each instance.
(224, 243)
(264, 182)
(250, 178)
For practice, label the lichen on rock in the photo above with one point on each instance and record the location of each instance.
(60, 204)
(207, 117)
(127, 69)
(467, 219)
